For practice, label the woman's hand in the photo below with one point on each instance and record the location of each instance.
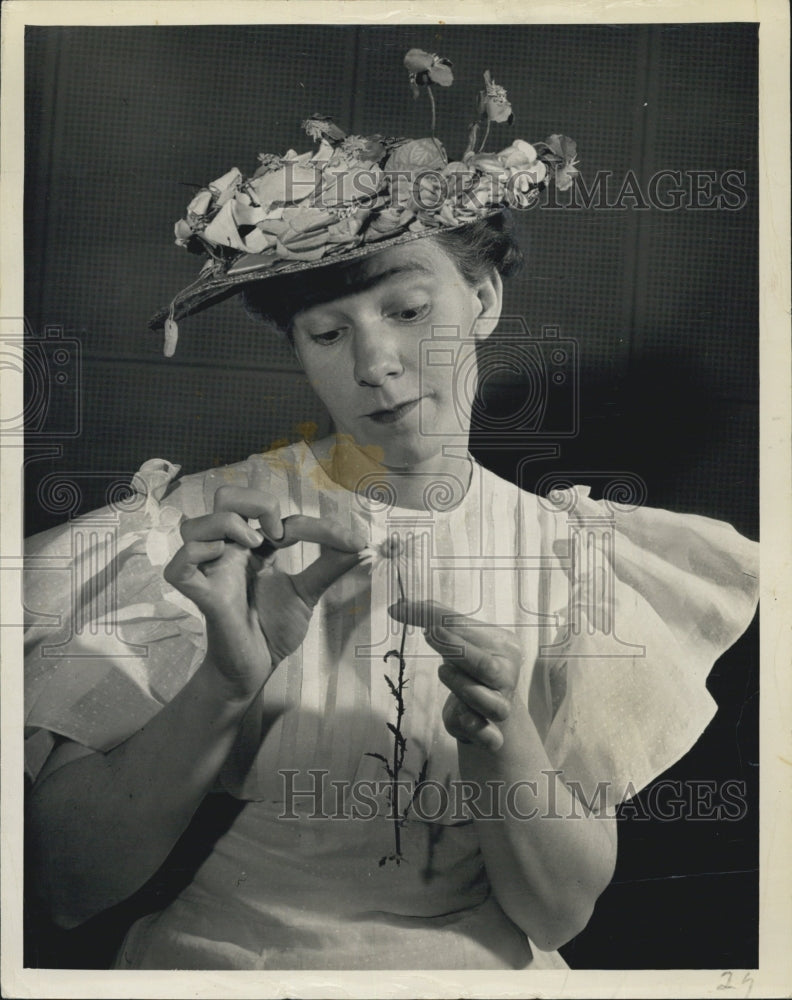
(545, 873)
(255, 613)
(103, 823)
(481, 666)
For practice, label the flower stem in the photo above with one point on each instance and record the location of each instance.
(398, 752)
(403, 597)
(434, 114)
(486, 136)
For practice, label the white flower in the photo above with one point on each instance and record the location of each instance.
(381, 549)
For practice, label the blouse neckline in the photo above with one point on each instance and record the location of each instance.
(438, 492)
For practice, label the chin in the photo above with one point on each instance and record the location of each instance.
(403, 457)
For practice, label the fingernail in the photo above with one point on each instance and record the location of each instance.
(468, 720)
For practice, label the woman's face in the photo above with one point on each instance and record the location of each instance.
(371, 359)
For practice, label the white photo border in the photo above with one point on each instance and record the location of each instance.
(774, 975)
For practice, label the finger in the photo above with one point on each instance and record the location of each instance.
(313, 581)
(224, 525)
(430, 615)
(492, 705)
(251, 503)
(484, 667)
(468, 726)
(183, 572)
(324, 531)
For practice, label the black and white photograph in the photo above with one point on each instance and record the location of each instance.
(381, 429)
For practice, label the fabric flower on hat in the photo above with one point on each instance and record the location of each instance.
(355, 152)
(323, 127)
(459, 207)
(418, 154)
(461, 211)
(423, 192)
(267, 161)
(413, 170)
(518, 168)
(307, 232)
(521, 155)
(225, 187)
(427, 68)
(363, 149)
(350, 190)
(493, 101)
(388, 221)
(204, 205)
(522, 190)
(201, 203)
(294, 181)
(560, 152)
(459, 175)
(489, 189)
(304, 227)
(346, 229)
(349, 186)
(224, 229)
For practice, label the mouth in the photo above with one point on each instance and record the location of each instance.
(394, 413)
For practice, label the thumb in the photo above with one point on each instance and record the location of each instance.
(313, 581)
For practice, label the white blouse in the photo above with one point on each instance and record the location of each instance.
(621, 612)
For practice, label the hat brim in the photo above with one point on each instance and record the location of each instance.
(249, 268)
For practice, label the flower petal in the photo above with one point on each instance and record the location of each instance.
(201, 202)
(424, 154)
(440, 73)
(565, 177)
(225, 187)
(309, 255)
(183, 231)
(222, 230)
(519, 154)
(417, 60)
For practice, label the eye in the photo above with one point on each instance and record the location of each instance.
(412, 314)
(328, 338)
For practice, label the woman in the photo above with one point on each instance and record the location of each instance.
(458, 811)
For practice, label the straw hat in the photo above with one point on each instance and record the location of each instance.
(352, 195)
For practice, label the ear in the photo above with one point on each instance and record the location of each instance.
(490, 296)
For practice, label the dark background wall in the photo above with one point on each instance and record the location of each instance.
(123, 124)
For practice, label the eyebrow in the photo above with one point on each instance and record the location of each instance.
(361, 283)
(355, 281)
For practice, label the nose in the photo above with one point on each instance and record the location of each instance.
(377, 355)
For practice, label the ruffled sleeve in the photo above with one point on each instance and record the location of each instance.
(642, 602)
(108, 642)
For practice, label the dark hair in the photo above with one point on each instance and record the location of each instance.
(477, 249)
